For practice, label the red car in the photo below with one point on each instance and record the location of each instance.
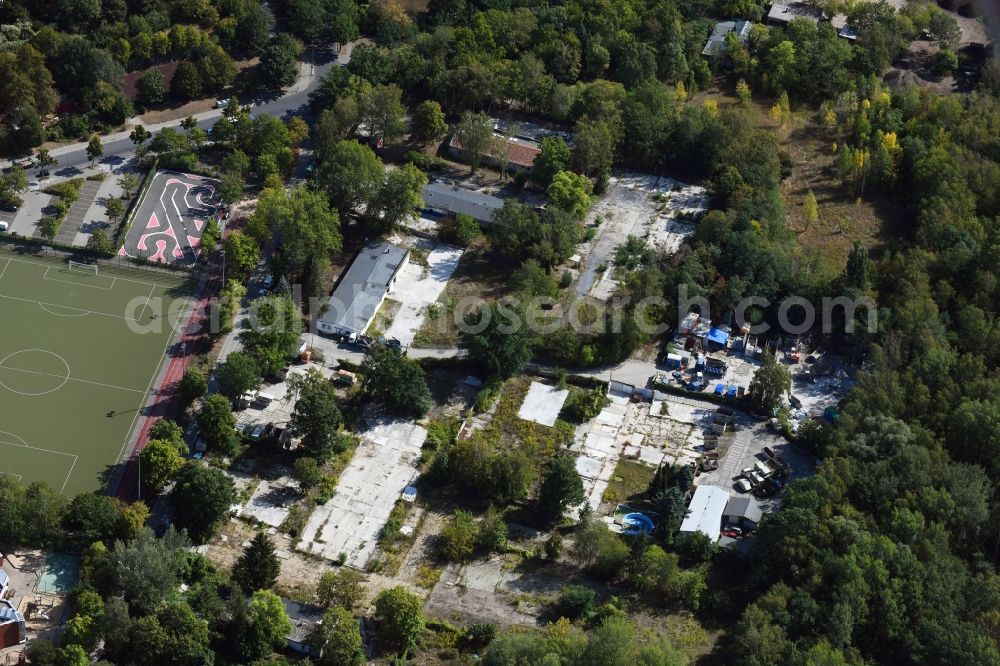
(732, 534)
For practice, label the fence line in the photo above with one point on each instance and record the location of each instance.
(43, 248)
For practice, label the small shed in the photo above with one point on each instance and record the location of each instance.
(743, 511)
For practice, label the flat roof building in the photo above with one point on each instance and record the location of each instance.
(716, 44)
(783, 12)
(705, 511)
(743, 511)
(454, 200)
(362, 289)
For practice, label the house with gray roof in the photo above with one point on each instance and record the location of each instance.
(362, 289)
(716, 44)
(304, 618)
(446, 199)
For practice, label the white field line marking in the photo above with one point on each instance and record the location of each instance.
(70, 378)
(189, 309)
(75, 284)
(66, 307)
(39, 265)
(61, 453)
(149, 298)
(69, 474)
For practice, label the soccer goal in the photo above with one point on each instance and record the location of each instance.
(78, 267)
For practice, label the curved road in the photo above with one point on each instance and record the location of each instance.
(119, 149)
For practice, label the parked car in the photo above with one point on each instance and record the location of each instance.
(3, 226)
(25, 163)
(742, 486)
(221, 103)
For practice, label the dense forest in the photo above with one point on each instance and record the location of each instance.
(888, 554)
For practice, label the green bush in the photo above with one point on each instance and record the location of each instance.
(49, 227)
(478, 636)
(69, 189)
(457, 541)
(576, 601)
(583, 405)
(461, 231)
(492, 534)
(423, 161)
(326, 489)
(486, 397)
(391, 531)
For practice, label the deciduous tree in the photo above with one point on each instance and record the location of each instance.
(201, 496)
(161, 460)
(770, 383)
(474, 133)
(277, 67)
(428, 123)
(316, 418)
(216, 423)
(400, 616)
(396, 381)
(336, 641)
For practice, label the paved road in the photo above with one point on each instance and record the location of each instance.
(119, 149)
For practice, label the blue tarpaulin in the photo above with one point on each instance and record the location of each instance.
(719, 388)
(731, 392)
(717, 336)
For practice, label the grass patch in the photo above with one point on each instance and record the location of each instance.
(383, 318)
(629, 481)
(478, 275)
(507, 430)
(428, 576)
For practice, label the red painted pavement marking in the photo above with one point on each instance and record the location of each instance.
(161, 246)
(154, 222)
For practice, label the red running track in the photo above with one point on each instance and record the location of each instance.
(158, 405)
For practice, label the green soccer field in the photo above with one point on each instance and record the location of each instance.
(79, 352)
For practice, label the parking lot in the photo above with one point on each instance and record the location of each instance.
(744, 448)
